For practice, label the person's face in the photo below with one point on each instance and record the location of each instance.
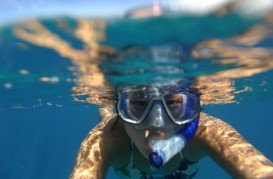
(157, 125)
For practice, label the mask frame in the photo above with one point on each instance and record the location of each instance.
(124, 113)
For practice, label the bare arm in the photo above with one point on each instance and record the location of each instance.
(95, 153)
(231, 151)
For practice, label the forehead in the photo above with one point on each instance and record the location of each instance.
(151, 91)
(145, 92)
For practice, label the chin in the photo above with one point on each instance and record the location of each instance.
(145, 153)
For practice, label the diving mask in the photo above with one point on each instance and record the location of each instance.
(181, 107)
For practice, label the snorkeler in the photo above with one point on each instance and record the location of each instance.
(159, 121)
(156, 134)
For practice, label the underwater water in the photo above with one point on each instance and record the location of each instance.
(55, 73)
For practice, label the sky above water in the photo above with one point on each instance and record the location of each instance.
(11, 10)
(14, 10)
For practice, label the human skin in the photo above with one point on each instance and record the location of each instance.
(109, 145)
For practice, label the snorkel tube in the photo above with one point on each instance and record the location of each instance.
(164, 150)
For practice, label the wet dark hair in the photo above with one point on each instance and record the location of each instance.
(115, 129)
(183, 85)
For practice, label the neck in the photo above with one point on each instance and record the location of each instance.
(144, 165)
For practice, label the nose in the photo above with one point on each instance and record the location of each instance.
(157, 116)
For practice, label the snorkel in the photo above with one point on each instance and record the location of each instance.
(164, 150)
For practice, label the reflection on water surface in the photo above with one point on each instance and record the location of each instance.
(100, 66)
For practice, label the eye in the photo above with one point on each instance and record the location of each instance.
(138, 102)
(174, 102)
(137, 107)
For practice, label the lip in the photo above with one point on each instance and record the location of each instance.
(152, 135)
(155, 134)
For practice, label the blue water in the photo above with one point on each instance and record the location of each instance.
(41, 126)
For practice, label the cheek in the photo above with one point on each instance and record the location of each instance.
(135, 135)
(138, 138)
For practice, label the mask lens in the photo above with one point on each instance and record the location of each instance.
(133, 107)
(138, 107)
(182, 107)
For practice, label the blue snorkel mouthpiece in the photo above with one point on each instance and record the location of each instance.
(164, 150)
(156, 159)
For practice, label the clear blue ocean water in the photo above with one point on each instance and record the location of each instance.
(42, 126)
